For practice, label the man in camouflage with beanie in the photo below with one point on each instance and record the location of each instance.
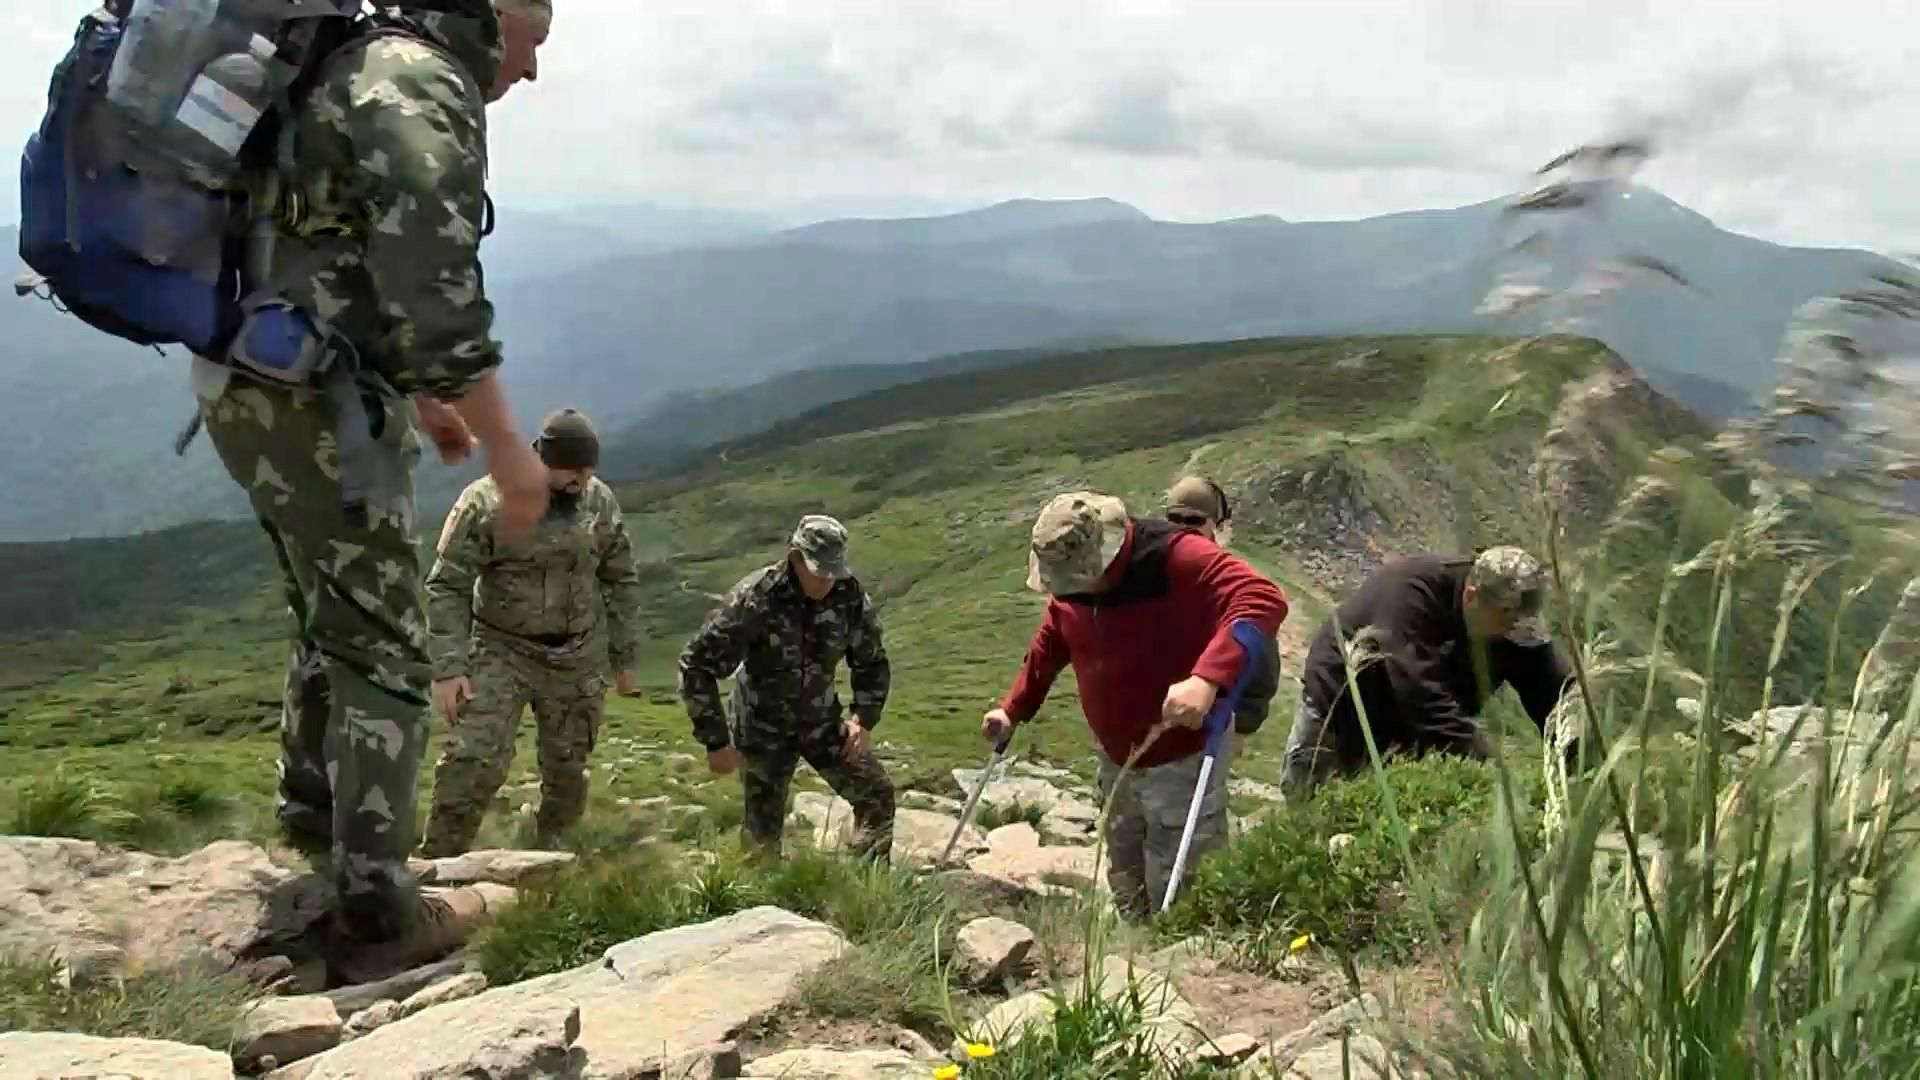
(786, 627)
(1435, 637)
(518, 624)
(375, 231)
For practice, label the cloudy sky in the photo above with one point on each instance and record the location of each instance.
(1792, 120)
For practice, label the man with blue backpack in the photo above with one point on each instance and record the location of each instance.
(294, 193)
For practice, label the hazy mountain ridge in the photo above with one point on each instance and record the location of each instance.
(602, 320)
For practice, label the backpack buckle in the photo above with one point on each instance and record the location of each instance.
(29, 284)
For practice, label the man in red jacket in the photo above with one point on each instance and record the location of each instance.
(1144, 611)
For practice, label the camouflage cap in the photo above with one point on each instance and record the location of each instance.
(1196, 496)
(1075, 539)
(822, 542)
(1515, 582)
(538, 12)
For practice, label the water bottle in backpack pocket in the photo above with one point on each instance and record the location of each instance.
(161, 43)
(134, 188)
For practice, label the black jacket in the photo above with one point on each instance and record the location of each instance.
(1425, 691)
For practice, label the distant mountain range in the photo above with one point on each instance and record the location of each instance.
(665, 324)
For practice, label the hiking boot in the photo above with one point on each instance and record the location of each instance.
(442, 923)
(310, 844)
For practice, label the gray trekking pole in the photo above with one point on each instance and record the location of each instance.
(1249, 638)
(986, 777)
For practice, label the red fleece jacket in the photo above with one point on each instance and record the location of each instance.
(1169, 616)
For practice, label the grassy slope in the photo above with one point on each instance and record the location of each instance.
(145, 645)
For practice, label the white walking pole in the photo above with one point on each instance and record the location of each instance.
(1249, 638)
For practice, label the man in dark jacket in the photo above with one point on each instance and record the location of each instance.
(1144, 611)
(1433, 637)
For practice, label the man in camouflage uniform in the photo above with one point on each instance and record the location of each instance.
(1434, 637)
(516, 624)
(377, 240)
(786, 627)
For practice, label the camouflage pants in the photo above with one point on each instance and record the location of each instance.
(568, 701)
(354, 712)
(863, 783)
(1147, 817)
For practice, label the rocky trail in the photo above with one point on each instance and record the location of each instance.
(710, 999)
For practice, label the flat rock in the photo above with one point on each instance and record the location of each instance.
(1009, 792)
(1005, 1023)
(1071, 821)
(500, 867)
(1171, 1022)
(990, 949)
(1227, 1049)
(351, 999)
(927, 800)
(123, 911)
(1362, 1058)
(646, 1003)
(1347, 1016)
(59, 1055)
(914, 1044)
(285, 1029)
(447, 990)
(370, 1019)
(918, 835)
(1254, 789)
(1016, 856)
(1038, 772)
(539, 1041)
(1171, 958)
(720, 1061)
(817, 1064)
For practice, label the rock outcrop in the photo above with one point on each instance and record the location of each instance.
(918, 835)
(104, 911)
(647, 1003)
(57, 1055)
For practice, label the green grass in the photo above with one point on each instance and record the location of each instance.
(1282, 880)
(189, 1006)
(1749, 914)
(138, 682)
(895, 922)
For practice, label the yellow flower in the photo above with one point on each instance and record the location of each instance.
(946, 1072)
(976, 1051)
(1300, 943)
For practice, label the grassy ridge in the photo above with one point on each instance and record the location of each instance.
(179, 634)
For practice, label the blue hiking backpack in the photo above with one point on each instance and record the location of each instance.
(135, 210)
(151, 191)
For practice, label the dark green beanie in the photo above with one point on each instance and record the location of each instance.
(567, 441)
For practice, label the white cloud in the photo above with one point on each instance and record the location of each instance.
(1782, 117)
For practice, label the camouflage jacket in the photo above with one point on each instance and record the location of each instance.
(543, 590)
(379, 225)
(787, 649)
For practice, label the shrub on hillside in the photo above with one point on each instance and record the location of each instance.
(579, 915)
(1284, 878)
(65, 805)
